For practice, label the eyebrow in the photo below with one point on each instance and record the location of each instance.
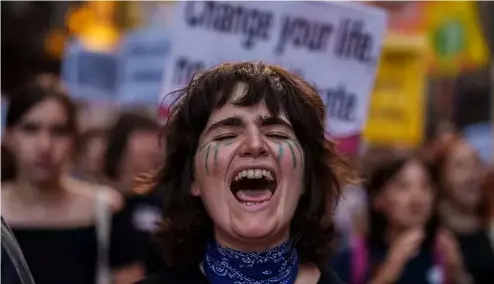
(272, 121)
(233, 121)
(237, 121)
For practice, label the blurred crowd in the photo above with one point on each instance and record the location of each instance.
(69, 197)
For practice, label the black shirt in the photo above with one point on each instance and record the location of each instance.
(145, 211)
(195, 276)
(68, 255)
(478, 256)
(419, 269)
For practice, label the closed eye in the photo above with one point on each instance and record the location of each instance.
(277, 135)
(225, 137)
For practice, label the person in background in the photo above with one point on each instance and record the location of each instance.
(55, 218)
(89, 159)
(133, 148)
(145, 206)
(403, 243)
(460, 176)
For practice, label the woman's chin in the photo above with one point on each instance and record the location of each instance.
(255, 229)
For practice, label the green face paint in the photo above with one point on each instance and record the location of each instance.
(290, 143)
(294, 158)
(207, 158)
(217, 146)
(280, 151)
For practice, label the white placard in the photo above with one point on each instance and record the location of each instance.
(334, 45)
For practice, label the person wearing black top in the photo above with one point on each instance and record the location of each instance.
(133, 148)
(403, 243)
(250, 179)
(54, 217)
(145, 210)
(460, 176)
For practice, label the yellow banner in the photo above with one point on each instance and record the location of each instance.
(453, 30)
(397, 108)
(455, 36)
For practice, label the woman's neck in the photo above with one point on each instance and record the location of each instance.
(38, 193)
(251, 245)
(458, 220)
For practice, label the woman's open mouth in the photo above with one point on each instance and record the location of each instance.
(254, 186)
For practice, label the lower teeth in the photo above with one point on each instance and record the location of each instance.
(250, 203)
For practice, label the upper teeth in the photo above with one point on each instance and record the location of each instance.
(254, 174)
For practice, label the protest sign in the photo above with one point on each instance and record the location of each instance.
(336, 46)
(143, 55)
(90, 75)
(397, 107)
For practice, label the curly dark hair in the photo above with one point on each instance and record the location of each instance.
(186, 226)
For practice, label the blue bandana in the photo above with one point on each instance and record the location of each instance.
(277, 265)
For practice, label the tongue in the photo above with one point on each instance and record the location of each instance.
(249, 195)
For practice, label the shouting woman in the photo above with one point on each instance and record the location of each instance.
(250, 180)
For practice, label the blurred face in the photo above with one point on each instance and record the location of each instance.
(143, 151)
(92, 159)
(41, 142)
(463, 174)
(249, 172)
(407, 198)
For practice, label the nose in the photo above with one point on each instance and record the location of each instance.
(420, 193)
(44, 142)
(254, 146)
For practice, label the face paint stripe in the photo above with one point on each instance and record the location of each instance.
(298, 148)
(294, 158)
(207, 158)
(217, 146)
(280, 152)
(216, 153)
